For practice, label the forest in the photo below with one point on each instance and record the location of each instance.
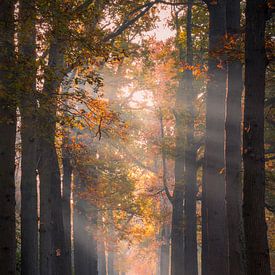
(137, 137)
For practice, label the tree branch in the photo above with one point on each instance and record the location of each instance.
(83, 6)
(128, 22)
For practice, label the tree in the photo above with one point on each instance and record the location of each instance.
(214, 216)
(52, 239)
(66, 200)
(257, 251)
(233, 140)
(28, 111)
(177, 231)
(190, 175)
(85, 222)
(7, 140)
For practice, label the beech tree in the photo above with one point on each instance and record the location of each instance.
(7, 140)
(233, 140)
(28, 111)
(257, 251)
(214, 228)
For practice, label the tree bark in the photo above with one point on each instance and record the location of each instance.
(7, 139)
(101, 249)
(233, 141)
(257, 251)
(177, 230)
(52, 239)
(28, 109)
(190, 176)
(213, 179)
(165, 250)
(111, 245)
(85, 248)
(66, 201)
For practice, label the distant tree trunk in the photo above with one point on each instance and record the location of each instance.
(257, 252)
(101, 250)
(85, 250)
(7, 139)
(93, 217)
(80, 234)
(101, 258)
(111, 263)
(111, 245)
(165, 250)
(164, 260)
(52, 239)
(190, 176)
(66, 200)
(233, 142)
(213, 179)
(177, 230)
(28, 109)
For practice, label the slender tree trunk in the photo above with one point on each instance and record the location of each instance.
(257, 252)
(85, 222)
(27, 76)
(177, 230)
(190, 231)
(110, 263)
(101, 250)
(93, 216)
(111, 245)
(101, 258)
(233, 142)
(80, 240)
(164, 259)
(214, 180)
(165, 250)
(7, 139)
(66, 200)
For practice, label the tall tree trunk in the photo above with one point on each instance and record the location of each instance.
(214, 180)
(257, 252)
(177, 230)
(165, 250)
(27, 76)
(233, 141)
(190, 176)
(52, 239)
(66, 201)
(7, 139)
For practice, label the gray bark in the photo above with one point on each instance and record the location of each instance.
(165, 250)
(177, 230)
(233, 142)
(28, 109)
(7, 139)
(214, 228)
(66, 202)
(85, 221)
(190, 176)
(257, 251)
(102, 270)
(52, 239)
